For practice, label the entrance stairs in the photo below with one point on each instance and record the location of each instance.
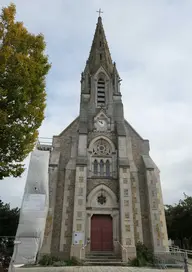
(102, 258)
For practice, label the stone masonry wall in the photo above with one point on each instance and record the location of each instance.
(111, 135)
(138, 145)
(65, 148)
(111, 183)
(69, 215)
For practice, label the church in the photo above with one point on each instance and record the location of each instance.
(104, 189)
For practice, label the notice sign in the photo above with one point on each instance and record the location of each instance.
(78, 238)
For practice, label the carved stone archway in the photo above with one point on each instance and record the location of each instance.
(107, 206)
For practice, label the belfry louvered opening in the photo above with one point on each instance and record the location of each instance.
(101, 92)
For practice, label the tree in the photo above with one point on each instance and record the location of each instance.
(9, 219)
(179, 220)
(23, 68)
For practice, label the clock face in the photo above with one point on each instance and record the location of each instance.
(102, 124)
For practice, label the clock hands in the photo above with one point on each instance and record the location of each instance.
(101, 125)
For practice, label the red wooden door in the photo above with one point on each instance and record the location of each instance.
(101, 233)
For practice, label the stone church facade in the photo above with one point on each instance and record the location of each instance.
(104, 188)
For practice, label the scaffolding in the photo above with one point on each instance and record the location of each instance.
(44, 144)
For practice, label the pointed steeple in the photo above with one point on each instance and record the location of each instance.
(99, 54)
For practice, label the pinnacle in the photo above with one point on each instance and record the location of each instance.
(100, 54)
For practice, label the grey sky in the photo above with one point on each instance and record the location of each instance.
(151, 43)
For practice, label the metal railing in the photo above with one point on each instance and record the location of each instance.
(172, 258)
(123, 248)
(188, 257)
(82, 248)
(176, 248)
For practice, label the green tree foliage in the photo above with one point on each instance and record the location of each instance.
(179, 219)
(9, 219)
(23, 68)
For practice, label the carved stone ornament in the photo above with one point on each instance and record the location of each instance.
(101, 147)
(101, 199)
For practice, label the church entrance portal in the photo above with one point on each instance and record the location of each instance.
(101, 233)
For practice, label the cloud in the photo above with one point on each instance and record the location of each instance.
(151, 43)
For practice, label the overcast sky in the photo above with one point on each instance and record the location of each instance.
(151, 42)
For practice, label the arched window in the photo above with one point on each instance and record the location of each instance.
(101, 92)
(95, 167)
(101, 168)
(102, 162)
(107, 168)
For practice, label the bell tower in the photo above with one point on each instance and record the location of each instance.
(100, 86)
(102, 146)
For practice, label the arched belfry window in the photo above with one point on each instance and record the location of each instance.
(101, 92)
(101, 168)
(107, 168)
(95, 167)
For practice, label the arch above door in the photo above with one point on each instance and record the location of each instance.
(100, 192)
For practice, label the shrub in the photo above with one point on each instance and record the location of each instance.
(48, 260)
(73, 261)
(144, 257)
(59, 263)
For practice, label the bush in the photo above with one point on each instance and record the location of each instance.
(144, 257)
(48, 260)
(73, 261)
(59, 263)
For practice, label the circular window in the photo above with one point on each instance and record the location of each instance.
(102, 147)
(101, 199)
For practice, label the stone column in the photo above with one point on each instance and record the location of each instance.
(136, 208)
(68, 198)
(79, 215)
(53, 176)
(115, 215)
(88, 232)
(126, 211)
(156, 211)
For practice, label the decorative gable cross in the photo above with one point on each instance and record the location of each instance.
(99, 11)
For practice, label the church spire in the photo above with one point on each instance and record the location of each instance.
(99, 54)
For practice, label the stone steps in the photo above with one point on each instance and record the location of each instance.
(103, 259)
(101, 253)
(109, 263)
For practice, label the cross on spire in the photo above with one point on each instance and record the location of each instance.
(99, 11)
(99, 53)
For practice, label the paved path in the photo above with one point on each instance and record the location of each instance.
(94, 269)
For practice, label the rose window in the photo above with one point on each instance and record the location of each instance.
(101, 147)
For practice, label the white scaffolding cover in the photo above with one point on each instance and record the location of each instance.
(34, 210)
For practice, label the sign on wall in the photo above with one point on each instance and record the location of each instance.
(78, 238)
